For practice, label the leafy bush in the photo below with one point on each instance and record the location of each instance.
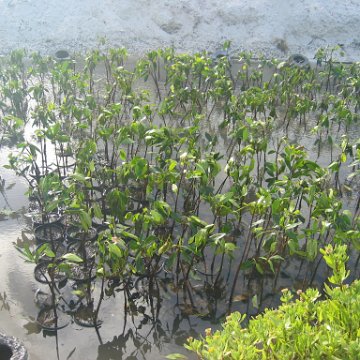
(306, 328)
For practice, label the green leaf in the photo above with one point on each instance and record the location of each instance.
(259, 268)
(164, 247)
(276, 206)
(217, 237)
(78, 177)
(140, 168)
(197, 221)
(85, 219)
(256, 223)
(292, 226)
(25, 251)
(312, 248)
(79, 293)
(122, 155)
(271, 265)
(172, 165)
(72, 258)
(176, 356)
(49, 253)
(254, 301)
(97, 211)
(157, 218)
(277, 257)
(115, 250)
(174, 188)
(130, 235)
(246, 265)
(334, 166)
(229, 247)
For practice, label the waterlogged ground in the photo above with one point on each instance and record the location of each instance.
(123, 334)
(133, 336)
(155, 318)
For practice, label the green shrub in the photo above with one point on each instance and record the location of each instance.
(306, 328)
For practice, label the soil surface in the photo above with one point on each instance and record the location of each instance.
(274, 28)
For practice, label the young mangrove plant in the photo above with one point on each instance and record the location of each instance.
(214, 180)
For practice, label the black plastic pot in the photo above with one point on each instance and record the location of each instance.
(77, 234)
(99, 225)
(86, 250)
(299, 60)
(49, 233)
(82, 273)
(42, 273)
(85, 315)
(62, 55)
(58, 247)
(43, 219)
(50, 320)
(11, 348)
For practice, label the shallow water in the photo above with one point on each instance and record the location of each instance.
(156, 330)
(138, 336)
(148, 327)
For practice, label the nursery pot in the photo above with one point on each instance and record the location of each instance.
(299, 61)
(42, 273)
(58, 247)
(11, 348)
(81, 273)
(77, 234)
(45, 218)
(85, 316)
(51, 320)
(49, 233)
(86, 250)
(62, 55)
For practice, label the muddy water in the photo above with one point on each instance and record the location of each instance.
(149, 332)
(151, 326)
(120, 337)
(159, 329)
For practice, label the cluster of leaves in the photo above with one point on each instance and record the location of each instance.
(306, 328)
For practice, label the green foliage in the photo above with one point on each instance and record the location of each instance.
(336, 259)
(209, 168)
(307, 328)
(304, 329)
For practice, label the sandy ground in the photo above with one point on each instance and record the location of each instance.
(272, 27)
